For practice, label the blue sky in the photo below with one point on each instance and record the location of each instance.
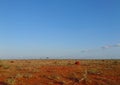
(60, 28)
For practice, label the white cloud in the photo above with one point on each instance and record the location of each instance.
(111, 46)
(117, 45)
(106, 47)
(83, 51)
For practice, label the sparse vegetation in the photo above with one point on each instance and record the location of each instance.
(19, 76)
(93, 71)
(27, 75)
(10, 81)
(60, 72)
(6, 66)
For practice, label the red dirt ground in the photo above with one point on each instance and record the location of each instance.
(59, 72)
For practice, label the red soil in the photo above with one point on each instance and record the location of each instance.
(60, 72)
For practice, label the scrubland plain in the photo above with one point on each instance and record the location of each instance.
(60, 72)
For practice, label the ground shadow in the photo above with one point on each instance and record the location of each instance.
(2, 83)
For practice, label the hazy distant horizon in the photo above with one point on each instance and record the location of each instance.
(59, 57)
(68, 28)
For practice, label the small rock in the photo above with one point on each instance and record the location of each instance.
(77, 63)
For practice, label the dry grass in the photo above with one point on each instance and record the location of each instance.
(59, 72)
(10, 81)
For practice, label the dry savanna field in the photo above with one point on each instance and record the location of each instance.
(59, 72)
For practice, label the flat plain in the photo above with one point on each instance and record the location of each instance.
(60, 72)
